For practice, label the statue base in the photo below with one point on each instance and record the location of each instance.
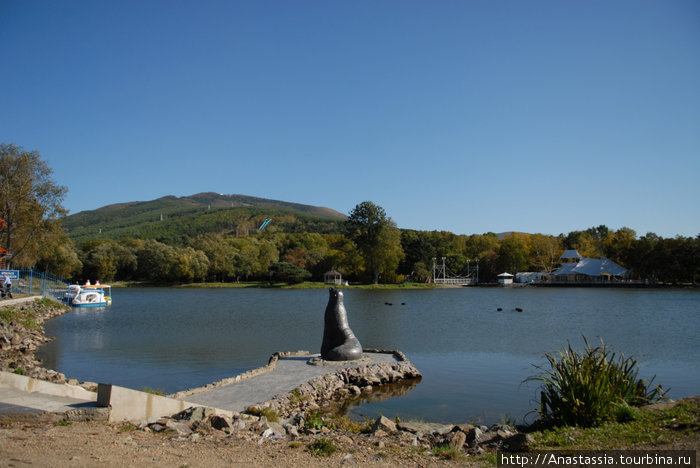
(319, 361)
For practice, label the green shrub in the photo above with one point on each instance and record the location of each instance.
(323, 447)
(317, 421)
(587, 388)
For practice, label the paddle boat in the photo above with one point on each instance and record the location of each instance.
(89, 295)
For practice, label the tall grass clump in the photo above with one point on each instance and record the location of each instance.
(589, 387)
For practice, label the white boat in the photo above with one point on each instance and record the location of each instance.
(95, 295)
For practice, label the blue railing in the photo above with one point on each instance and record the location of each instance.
(37, 283)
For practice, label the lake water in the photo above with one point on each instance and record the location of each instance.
(473, 357)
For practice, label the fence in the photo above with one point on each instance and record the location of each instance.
(36, 283)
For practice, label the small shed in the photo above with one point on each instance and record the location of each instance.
(505, 278)
(333, 277)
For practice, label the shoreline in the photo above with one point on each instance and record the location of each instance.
(200, 437)
(305, 423)
(399, 286)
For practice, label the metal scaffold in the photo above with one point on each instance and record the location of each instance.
(440, 274)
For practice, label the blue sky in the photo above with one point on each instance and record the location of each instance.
(465, 116)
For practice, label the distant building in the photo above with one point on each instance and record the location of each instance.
(333, 277)
(528, 277)
(585, 270)
(505, 278)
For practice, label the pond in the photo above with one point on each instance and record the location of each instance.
(473, 357)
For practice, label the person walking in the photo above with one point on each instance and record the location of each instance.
(7, 286)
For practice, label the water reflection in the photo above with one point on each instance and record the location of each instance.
(352, 407)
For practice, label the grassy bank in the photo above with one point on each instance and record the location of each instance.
(657, 426)
(268, 285)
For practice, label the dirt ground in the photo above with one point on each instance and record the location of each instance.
(102, 444)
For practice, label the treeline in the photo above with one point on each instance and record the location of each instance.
(405, 255)
(178, 240)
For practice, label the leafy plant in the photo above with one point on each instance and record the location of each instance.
(589, 387)
(317, 421)
(323, 447)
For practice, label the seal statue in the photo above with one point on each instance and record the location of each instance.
(339, 342)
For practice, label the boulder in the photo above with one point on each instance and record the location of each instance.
(385, 424)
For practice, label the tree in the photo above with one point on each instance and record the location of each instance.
(30, 203)
(545, 252)
(377, 238)
(59, 257)
(513, 253)
(190, 265)
(289, 273)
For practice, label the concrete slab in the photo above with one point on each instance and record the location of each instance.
(20, 395)
(289, 373)
(19, 401)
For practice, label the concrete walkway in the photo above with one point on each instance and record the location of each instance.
(289, 374)
(14, 401)
(25, 398)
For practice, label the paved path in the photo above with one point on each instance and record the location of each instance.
(14, 401)
(290, 373)
(22, 405)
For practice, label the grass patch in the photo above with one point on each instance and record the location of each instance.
(591, 387)
(26, 317)
(127, 427)
(47, 302)
(648, 427)
(269, 412)
(447, 452)
(64, 422)
(323, 447)
(153, 391)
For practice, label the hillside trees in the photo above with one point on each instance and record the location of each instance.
(30, 204)
(371, 249)
(377, 237)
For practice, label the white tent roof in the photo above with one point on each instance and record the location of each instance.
(591, 267)
(573, 253)
(505, 275)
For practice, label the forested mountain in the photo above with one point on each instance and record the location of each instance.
(171, 219)
(212, 237)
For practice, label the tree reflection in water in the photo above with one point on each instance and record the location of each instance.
(379, 393)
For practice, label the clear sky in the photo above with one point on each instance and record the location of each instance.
(458, 115)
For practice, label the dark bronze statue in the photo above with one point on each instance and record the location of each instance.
(339, 342)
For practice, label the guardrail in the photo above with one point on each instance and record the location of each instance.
(38, 283)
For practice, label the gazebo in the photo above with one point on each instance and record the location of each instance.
(333, 277)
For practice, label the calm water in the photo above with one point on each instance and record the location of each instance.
(473, 357)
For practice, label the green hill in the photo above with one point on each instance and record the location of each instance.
(171, 219)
